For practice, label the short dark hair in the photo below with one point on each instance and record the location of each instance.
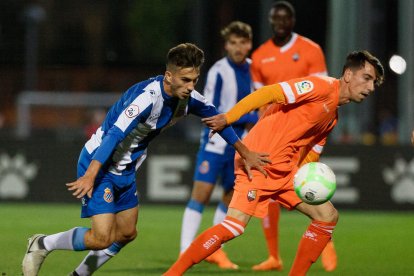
(237, 28)
(285, 5)
(185, 55)
(357, 59)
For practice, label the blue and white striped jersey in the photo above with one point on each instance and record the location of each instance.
(227, 83)
(139, 116)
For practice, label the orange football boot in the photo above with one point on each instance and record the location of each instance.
(221, 260)
(328, 257)
(270, 264)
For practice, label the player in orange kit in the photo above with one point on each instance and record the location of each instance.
(293, 130)
(286, 55)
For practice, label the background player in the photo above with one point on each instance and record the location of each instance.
(292, 130)
(109, 160)
(228, 81)
(286, 55)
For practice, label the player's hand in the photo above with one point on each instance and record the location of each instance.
(216, 123)
(256, 160)
(81, 187)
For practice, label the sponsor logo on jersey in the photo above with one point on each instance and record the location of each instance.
(269, 59)
(132, 111)
(303, 87)
(204, 167)
(108, 197)
(251, 195)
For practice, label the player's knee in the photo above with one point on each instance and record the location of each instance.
(131, 235)
(127, 235)
(201, 198)
(103, 241)
(330, 215)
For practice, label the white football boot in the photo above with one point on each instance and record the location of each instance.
(34, 257)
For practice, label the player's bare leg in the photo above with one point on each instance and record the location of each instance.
(100, 236)
(126, 232)
(324, 218)
(210, 240)
(200, 196)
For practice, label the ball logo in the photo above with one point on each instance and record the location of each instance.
(132, 111)
(108, 197)
(310, 196)
(303, 87)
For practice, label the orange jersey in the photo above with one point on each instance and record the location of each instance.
(289, 131)
(300, 57)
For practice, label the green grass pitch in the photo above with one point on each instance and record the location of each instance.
(368, 243)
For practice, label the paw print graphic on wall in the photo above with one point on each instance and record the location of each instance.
(15, 173)
(401, 178)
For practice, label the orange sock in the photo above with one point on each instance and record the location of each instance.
(206, 244)
(270, 226)
(311, 245)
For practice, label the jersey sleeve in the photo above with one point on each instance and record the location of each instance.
(317, 64)
(249, 118)
(266, 94)
(257, 79)
(199, 106)
(310, 88)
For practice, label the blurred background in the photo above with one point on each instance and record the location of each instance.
(62, 63)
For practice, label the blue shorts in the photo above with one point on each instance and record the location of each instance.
(107, 195)
(210, 166)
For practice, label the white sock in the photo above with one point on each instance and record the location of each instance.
(97, 258)
(62, 240)
(93, 261)
(220, 214)
(189, 228)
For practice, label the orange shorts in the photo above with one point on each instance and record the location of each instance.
(249, 198)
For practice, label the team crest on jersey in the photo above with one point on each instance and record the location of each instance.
(295, 57)
(108, 197)
(132, 111)
(303, 87)
(251, 195)
(204, 167)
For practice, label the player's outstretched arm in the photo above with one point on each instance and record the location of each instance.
(252, 160)
(261, 97)
(84, 184)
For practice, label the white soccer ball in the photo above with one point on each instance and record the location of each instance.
(315, 183)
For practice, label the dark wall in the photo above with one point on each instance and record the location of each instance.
(375, 178)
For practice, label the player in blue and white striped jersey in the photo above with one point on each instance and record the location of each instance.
(109, 160)
(228, 81)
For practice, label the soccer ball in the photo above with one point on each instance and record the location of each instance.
(314, 183)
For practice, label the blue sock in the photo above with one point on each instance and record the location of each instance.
(195, 205)
(78, 238)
